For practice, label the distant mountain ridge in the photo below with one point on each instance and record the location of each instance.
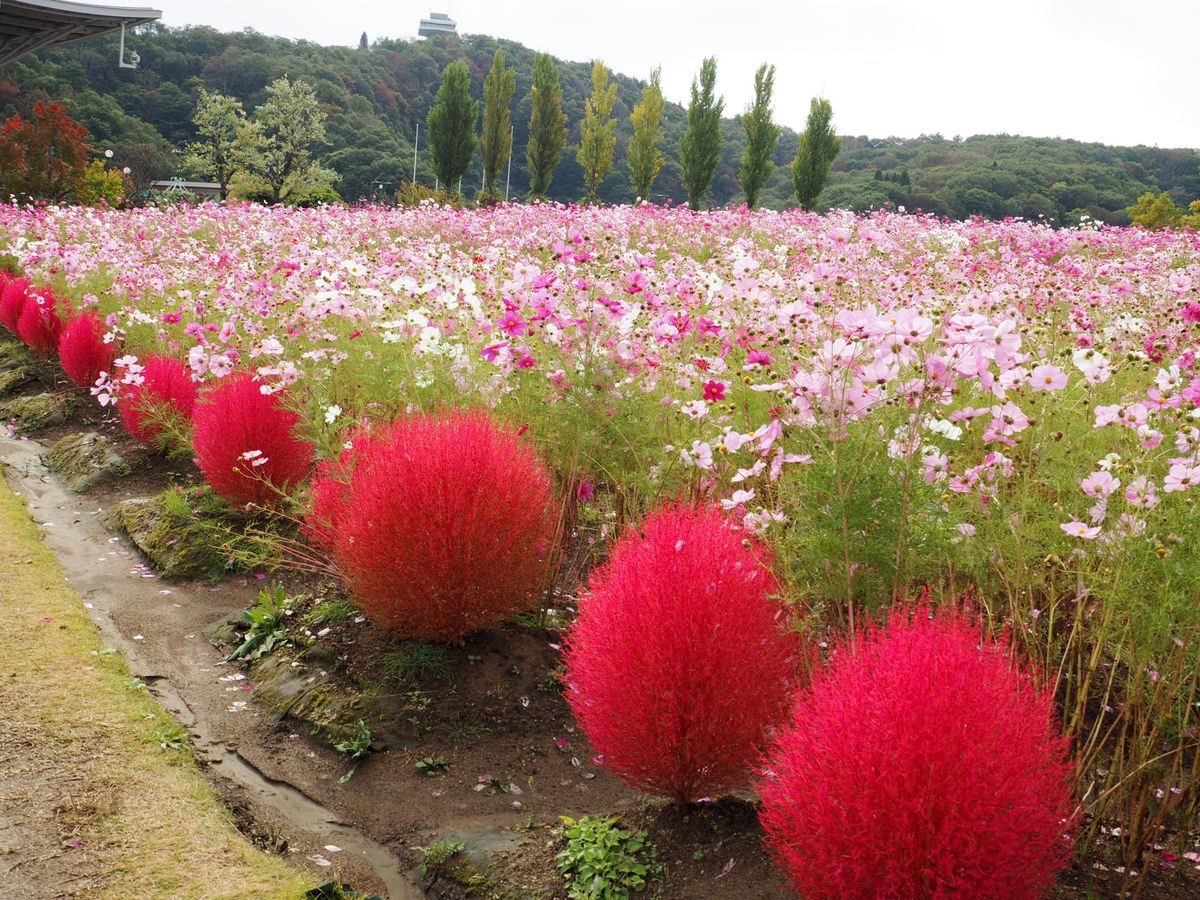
(376, 96)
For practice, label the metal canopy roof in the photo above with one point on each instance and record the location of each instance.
(30, 25)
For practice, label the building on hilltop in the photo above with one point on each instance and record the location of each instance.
(437, 23)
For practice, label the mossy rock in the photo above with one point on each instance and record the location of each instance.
(192, 533)
(306, 693)
(13, 353)
(15, 377)
(224, 631)
(300, 693)
(34, 411)
(174, 545)
(84, 460)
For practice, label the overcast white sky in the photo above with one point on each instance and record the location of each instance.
(1116, 71)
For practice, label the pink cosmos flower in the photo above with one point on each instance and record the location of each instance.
(1080, 530)
(1100, 485)
(1048, 378)
(714, 391)
(1181, 477)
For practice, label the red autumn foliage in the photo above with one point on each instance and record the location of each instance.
(82, 351)
(678, 665)
(166, 389)
(40, 325)
(245, 443)
(12, 302)
(441, 525)
(43, 156)
(921, 765)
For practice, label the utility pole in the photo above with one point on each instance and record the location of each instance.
(416, 144)
(508, 177)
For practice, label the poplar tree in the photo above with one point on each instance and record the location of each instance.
(451, 124)
(700, 149)
(644, 154)
(597, 134)
(819, 145)
(762, 134)
(547, 125)
(498, 90)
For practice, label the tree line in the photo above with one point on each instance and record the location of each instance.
(374, 96)
(452, 124)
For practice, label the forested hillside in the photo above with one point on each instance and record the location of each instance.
(375, 96)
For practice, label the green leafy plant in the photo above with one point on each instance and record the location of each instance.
(169, 737)
(601, 860)
(266, 629)
(435, 857)
(355, 747)
(432, 766)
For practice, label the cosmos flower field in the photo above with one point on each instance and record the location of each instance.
(997, 411)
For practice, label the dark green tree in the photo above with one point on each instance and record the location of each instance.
(762, 134)
(597, 133)
(451, 124)
(363, 43)
(819, 145)
(498, 90)
(700, 149)
(644, 153)
(547, 125)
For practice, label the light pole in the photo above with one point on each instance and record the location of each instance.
(416, 145)
(508, 177)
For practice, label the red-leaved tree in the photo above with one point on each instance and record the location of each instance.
(42, 157)
(246, 443)
(441, 525)
(678, 664)
(926, 762)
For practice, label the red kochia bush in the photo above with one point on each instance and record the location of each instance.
(167, 389)
(678, 664)
(12, 302)
(441, 525)
(245, 442)
(40, 326)
(82, 351)
(920, 765)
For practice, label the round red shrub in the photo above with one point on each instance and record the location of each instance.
(82, 351)
(678, 665)
(245, 443)
(12, 302)
(923, 764)
(441, 525)
(40, 326)
(166, 389)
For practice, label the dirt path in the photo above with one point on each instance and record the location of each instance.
(99, 796)
(160, 626)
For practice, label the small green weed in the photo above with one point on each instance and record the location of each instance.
(355, 747)
(432, 766)
(266, 625)
(417, 662)
(332, 612)
(169, 737)
(603, 861)
(435, 857)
